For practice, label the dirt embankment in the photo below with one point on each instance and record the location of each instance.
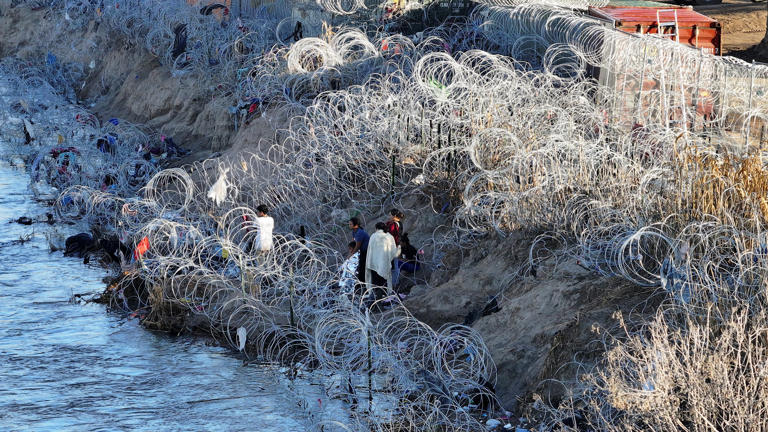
(536, 330)
(743, 25)
(543, 328)
(128, 82)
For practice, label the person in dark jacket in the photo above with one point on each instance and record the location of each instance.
(361, 245)
(409, 257)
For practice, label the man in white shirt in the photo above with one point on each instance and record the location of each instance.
(264, 225)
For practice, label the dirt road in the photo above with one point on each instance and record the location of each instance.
(743, 23)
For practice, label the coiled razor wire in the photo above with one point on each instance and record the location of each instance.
(284, 299)
(655, 176)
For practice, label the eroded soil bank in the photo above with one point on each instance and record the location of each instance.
(541, 326)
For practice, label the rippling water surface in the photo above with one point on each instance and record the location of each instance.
(70, 366)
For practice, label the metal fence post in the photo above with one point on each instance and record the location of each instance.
(749, 108)
(639, 97)
(695, 96)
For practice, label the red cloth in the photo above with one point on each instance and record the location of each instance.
(394, 229)
(84, 119)
(141, 248)
(56, 152)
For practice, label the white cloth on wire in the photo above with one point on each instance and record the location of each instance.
(242, 336)
(218, 192)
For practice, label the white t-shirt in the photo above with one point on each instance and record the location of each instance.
(264, 226)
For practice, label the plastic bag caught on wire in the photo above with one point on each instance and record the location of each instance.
(218, 192)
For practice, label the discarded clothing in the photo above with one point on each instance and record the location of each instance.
(172, 148)
(218, 192)
(29, 132)
(179, 41)
(106, 144)
(298, 33)
(24, 220)
(141, 249)
(114, 248)
(207, 10)
(78, 244)
(58, 151)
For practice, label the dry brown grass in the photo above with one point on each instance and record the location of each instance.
(729, 187)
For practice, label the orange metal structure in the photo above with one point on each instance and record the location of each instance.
(693, 28)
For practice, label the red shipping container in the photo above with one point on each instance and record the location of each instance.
(692, 28)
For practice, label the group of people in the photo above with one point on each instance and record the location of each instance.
(259, 244)
(375, 261)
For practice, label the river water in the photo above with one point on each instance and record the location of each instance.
(74, 366)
